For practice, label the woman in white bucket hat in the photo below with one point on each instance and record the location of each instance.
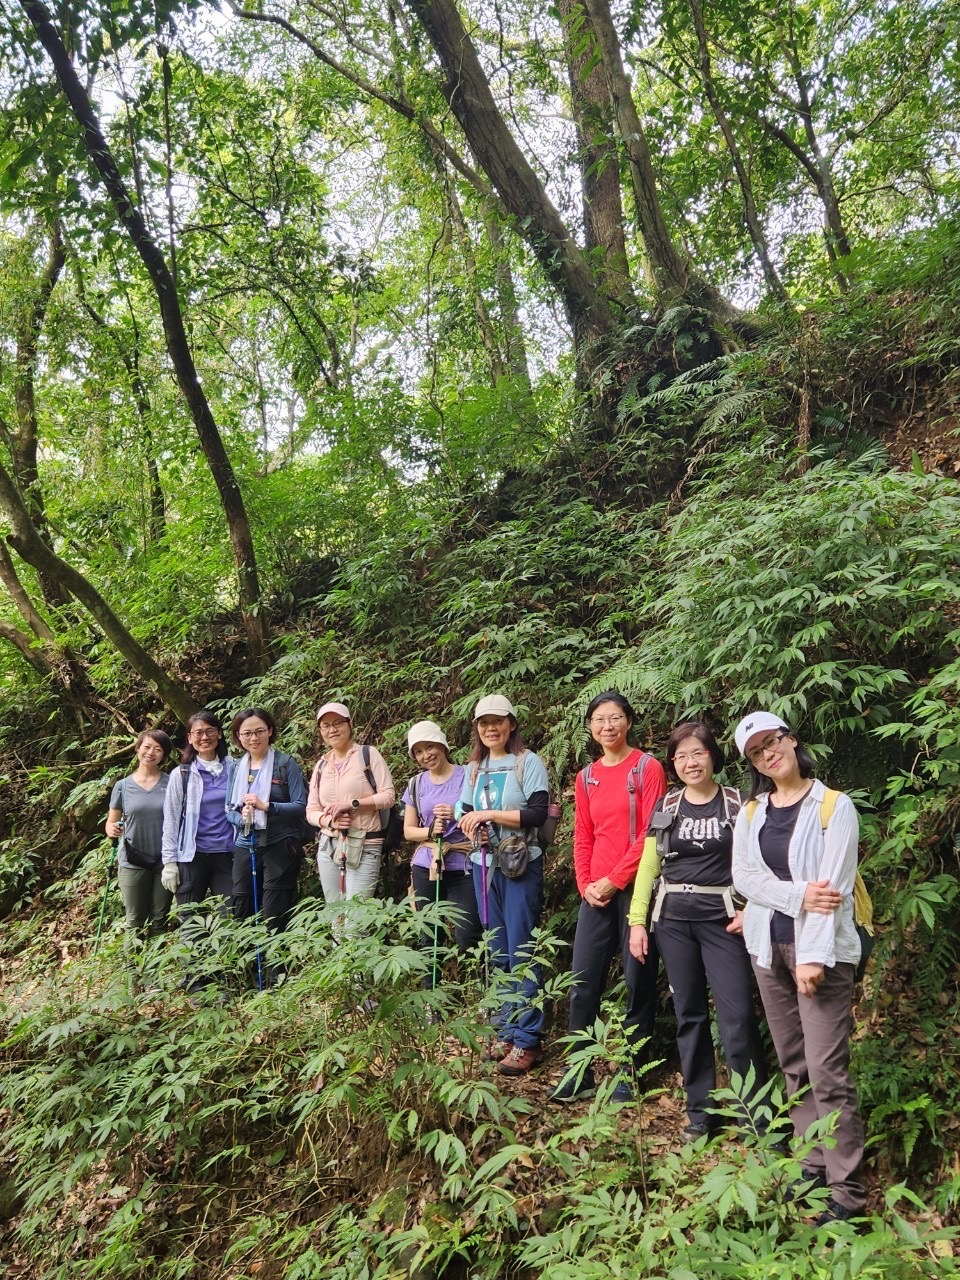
(429, 801)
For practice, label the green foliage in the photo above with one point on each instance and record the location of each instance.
(135, 1121)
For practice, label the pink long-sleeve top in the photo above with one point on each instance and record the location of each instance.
(333, 783)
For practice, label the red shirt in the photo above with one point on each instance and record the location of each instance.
(601, 829)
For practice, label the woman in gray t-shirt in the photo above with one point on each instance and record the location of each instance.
(136, 819)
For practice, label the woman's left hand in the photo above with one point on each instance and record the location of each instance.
(470, 821)
(253, 800)
(736, 924)
(809, 977)
(599, 893)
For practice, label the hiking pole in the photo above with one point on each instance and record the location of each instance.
(106, 889)
(249, 840)
(342, 859)
(436, 871)
(485, 914)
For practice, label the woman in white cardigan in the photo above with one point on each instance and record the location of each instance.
(795, 861)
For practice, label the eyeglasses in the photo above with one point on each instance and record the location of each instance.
(252, 733)
(690, 757)
(612, 721)
(756, 754)
(333, 724)
(204, 733)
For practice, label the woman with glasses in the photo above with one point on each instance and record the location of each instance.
(197, 846)
(697, 923)
(796, 867)
(615, 797)
(267, 803)
(351, 792)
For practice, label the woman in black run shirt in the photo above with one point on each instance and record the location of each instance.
(698, 924)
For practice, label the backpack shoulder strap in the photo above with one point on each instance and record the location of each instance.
(519, 765)
(367, 771)
(282, 775)
(414, 788)
(862, 902)
(827, 806)
(184, 783)
(731, 802)
(751, 809)
(474, 772)
(634, 781)
(671, 802)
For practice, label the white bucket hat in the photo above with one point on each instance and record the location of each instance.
(756, 722)
(426, 731)
(494, 704)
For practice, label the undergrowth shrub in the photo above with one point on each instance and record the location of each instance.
(341, 1124)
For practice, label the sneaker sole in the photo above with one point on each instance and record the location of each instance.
(579, 1096)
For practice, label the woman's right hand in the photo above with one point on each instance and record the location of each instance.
(639, 942)
(819, 897)
(114, 829)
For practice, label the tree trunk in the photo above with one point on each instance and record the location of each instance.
(485, 325)
(30, 547)
(131, 362)
(668, 268)
(178, 344)
(754, 225)
(59, 658)
(466, 88)
(25, 443)
(28, 649)
(516, 346)
(597, 156)
(818, 166)
(25, 606)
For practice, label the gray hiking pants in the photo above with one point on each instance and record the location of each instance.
(812, 1037)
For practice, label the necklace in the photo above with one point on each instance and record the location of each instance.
(785, 803)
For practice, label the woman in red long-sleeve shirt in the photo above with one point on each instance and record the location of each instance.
(615, 797)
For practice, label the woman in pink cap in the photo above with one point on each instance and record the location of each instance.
(795, 861)
(351, 794)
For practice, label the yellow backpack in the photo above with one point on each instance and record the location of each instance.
(862, 902)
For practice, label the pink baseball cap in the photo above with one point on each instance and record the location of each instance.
(337, 708)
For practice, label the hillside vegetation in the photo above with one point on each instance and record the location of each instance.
(385, 356)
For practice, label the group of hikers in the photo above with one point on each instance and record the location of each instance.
(670, 865)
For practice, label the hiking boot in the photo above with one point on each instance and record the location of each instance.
(623, 1090)
(800, 1189)
(519, 1061)
(694, 1132)
(496, 1051)
(836, 1212)
(570, 1089)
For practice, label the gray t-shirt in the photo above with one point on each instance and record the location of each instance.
(143, 814)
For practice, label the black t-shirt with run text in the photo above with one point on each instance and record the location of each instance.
(701, 850)
(775, 835)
